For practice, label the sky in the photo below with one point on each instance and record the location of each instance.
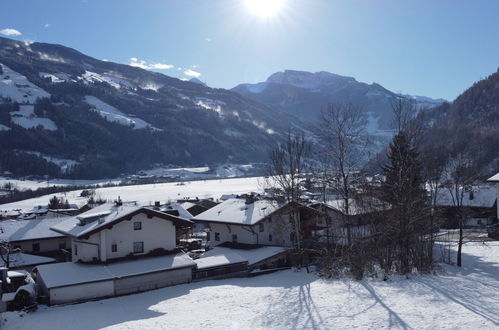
(435, 48)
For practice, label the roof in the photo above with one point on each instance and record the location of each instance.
(24, 259)
(70, 273)
(23, 230)
(494, 178)
(236, 211)
(219, 260)
(253, 256)
(107, 215)
(483, 196)
(180, 208)
(358, 206)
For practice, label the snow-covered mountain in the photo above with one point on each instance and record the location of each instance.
(305, 94)
(111, 118)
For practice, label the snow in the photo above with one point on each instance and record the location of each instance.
(56, 77)
(35, 184)
(456, 298)
(236, 211)
(18, 88)
(219, 260)
(70, 273)
(112, 114)
(494, 178)
(483, 196)
(252, 256)
(113, 79)
(4, 128)
(63, 163)
(27, 118)
(23, 259)
(21, 230)
(147, 194)
(206, 103)
(181, 209)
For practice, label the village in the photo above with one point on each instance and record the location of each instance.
(78, 252)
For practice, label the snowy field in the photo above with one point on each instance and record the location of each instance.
(35, 184)
(466, 298)
(147, 194)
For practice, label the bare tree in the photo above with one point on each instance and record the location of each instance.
(286, 168)
(342, 133)
(461, 173)
(7, 253)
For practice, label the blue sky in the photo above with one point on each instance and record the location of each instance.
(436, 48)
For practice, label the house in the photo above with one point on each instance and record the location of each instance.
(250, 221)
(113, 231)
(35, 236)
(478, 205)
(338, 225)
(495, 179)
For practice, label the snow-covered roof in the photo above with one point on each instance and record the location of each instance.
(219, 260)
(70, 273)
(181, 209)
(106, 215)
(22, 230)
(236, 211)
(253, 256)
(483, 196)
(358, 206)
(24, 259)
(494, 178)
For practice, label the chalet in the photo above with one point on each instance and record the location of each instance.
(478, 204)
(34, 236)
(249, 221)
(113, 231)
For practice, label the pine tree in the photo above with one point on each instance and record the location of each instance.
(404, 190)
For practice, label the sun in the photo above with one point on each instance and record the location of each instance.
(264, 8)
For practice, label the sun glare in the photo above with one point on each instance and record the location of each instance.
(264, 8)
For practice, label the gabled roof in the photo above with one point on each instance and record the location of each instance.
(494, 178)
(483, 196)
(107, 215)
(23, 230)
(355, 206)
(236, 211)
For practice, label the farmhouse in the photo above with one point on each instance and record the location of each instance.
(495, 179)
(34, 236)
(477, 203)
(113, 231)
(249, 221)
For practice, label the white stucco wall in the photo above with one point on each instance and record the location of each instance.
(155, 233)
(278, 226)
(81, 292)
(46, 245)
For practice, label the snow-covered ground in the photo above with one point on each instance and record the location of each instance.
(466, 298)
(18, 88)
(35, 184)
(27, 118)
(147, 194)
(112, 114)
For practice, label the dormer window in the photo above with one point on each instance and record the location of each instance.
(137, 225)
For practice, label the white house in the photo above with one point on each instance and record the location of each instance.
(495, 179)
(34, 236)
(112, 231)
(262, 222)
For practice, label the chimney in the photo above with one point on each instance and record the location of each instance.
(118, 202)
(157, 204)
(249, 199)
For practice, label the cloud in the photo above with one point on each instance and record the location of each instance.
(192, 73)
(46, 25)
(207, 39)
(149, 66)
(10, 32)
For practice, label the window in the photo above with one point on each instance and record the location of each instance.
(261, 227)
(114, 248)
(270, 237)
(217, 236)
(36, 247)
(62, 244)
(234, 238)
(137, 225)
(76, 250)
(138, 247)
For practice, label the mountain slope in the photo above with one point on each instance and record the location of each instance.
(107, 118)
(305, 94)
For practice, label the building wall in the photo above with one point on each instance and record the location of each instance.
(81, 292)
(278, 226)
(46, 245)
(152, 281)
(155, 233)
